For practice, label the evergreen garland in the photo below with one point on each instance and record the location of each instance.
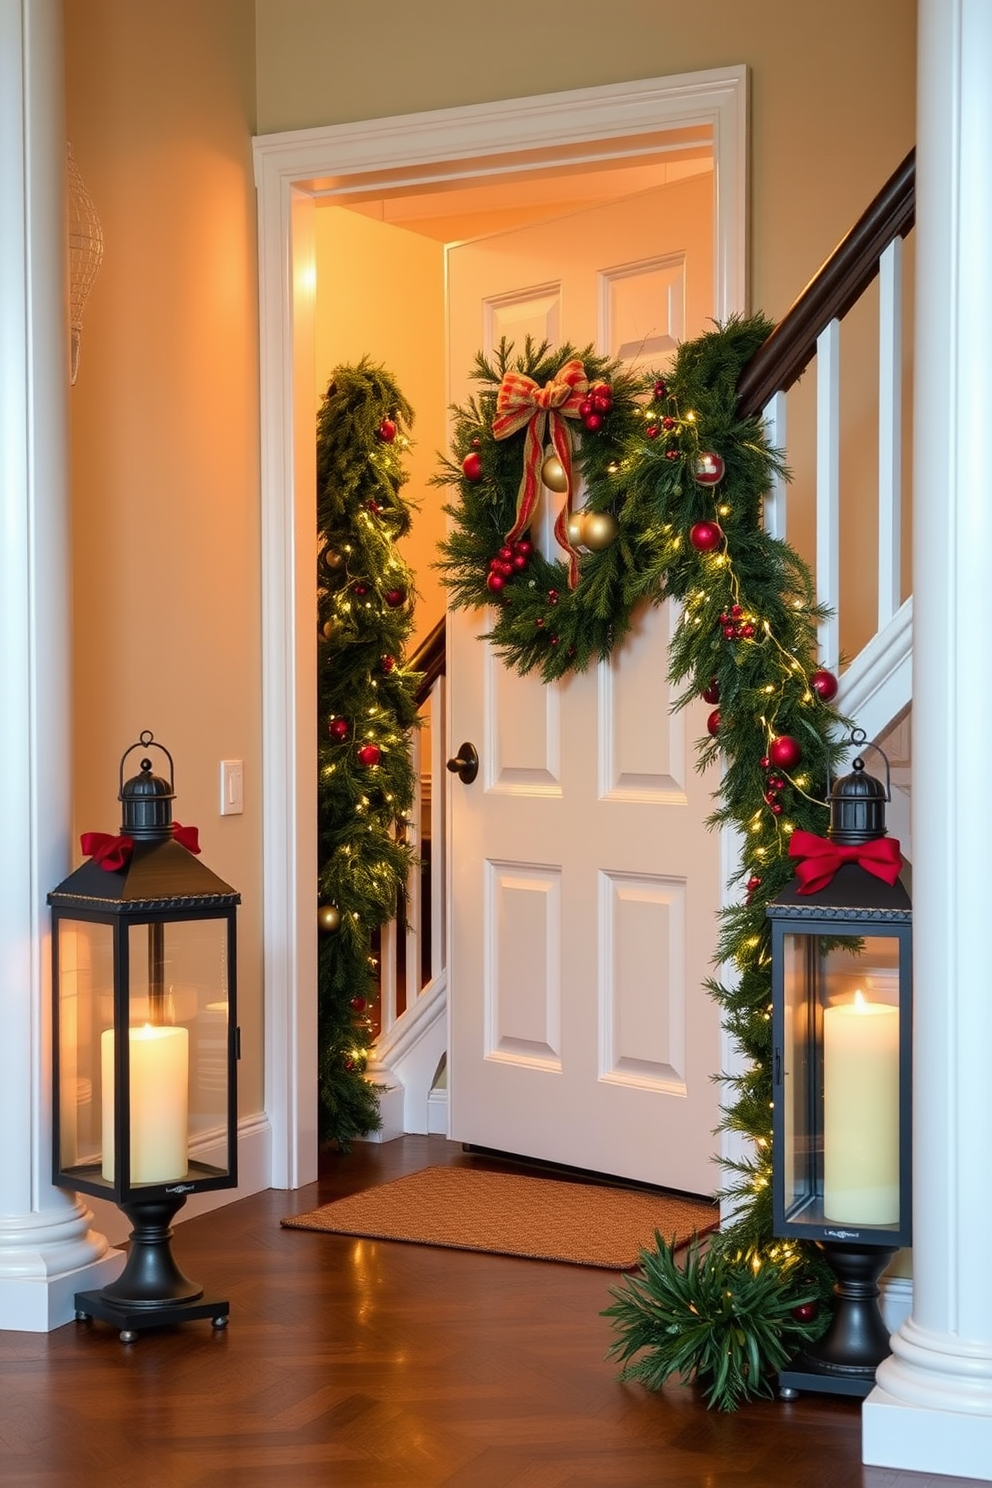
(365, 707)
(723, 1320)
(684, 476)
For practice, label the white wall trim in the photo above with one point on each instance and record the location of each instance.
(878, 684)
(409, 1054)
(291, 169)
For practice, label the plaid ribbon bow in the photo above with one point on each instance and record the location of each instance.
(522, 403)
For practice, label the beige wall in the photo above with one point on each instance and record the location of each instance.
(164, 414)
(380, 293)
(832, 86)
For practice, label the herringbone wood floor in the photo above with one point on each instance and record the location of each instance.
(357, 1364)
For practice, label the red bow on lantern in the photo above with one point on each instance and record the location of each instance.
(113, 853)
(820, 858)
(521, 403)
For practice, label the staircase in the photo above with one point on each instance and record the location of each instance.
(863, 279)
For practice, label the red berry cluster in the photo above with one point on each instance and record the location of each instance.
(511, 559)
(595, 406)
(774, 784)
(655, 427)
(735, 624)
(753, 885)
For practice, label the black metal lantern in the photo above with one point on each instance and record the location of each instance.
(841, 1031)
(145, 1042)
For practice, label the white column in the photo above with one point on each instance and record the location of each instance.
(47, 1248)
(932, 1407)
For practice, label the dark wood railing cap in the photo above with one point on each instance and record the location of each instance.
(428, 659)
(831, 292)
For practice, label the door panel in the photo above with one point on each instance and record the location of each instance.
(584, 883)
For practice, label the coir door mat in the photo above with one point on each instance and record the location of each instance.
(583, 1224)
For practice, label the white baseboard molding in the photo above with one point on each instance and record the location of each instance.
(254, 1175)
(391, 1102)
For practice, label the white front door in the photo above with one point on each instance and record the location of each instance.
(585, 886)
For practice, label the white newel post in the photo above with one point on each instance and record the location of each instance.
(47, 1249)
(932, 1407)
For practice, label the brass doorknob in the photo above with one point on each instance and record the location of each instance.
(465, 763)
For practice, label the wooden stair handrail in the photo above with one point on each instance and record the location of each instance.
(428, 659)
(831, 293)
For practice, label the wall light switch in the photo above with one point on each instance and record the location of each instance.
(232, 787)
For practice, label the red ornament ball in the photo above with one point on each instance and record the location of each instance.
(660, 389)
(395, 597)
(651, 432)
(785, 752)
(472, 467)
(713, 723)
(668, 423)
(711, 694)
(369, 755)
(706, 537)
(824, 684)
(709, 468)
(495, 583)
(339, 728)
(386, 431)
(358, 1004)
(388, 663)
(754, 882)
(524, 547)
(593, 422)
(673, 454)
(805, 1312)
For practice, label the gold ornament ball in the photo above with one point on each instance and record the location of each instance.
(553, 474)
(598, 530)
(576, 528)
(328, 918)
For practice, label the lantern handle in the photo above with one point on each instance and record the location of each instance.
(859, 739)
(147, 740)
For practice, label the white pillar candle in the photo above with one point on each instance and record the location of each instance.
(861, 1112)
(159, 1103)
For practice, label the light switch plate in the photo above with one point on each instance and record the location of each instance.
(232, 787)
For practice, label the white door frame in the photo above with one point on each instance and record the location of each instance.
(586, 126)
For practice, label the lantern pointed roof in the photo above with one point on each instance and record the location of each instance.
(159, 875)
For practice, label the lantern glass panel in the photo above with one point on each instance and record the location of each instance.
(179, 1018)
(85, 953)
(840, 1079)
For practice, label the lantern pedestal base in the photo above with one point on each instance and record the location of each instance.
(130, 1321)
(844, 1360)
(151, 1291)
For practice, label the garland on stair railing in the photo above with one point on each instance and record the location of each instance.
(682, 477)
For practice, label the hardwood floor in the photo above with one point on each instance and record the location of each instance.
(360, 1364)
